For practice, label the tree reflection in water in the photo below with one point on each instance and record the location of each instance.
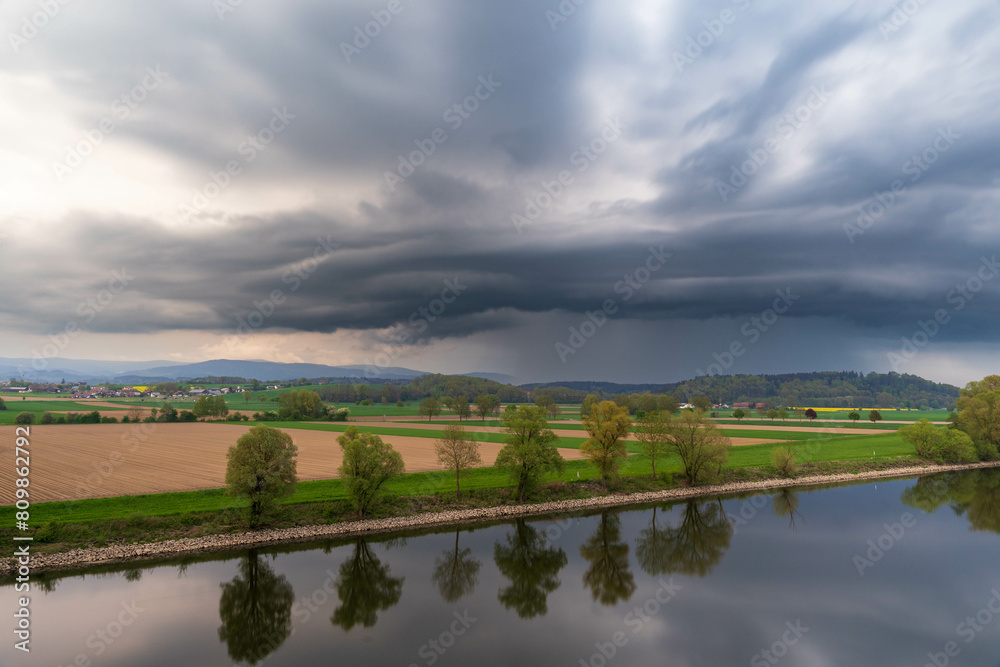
(365, 587)
(456, 573)
(609, 576)
(532, 567)
(974, 494)
(786, 503)
(693, 547)
(256, 611)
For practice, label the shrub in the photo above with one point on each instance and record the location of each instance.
(25, 418)
(956, 447)
(184, 416)
(46, 532)
(941, 445)
(47, 418)
(924, 437)
(986, 451)
(109, 420)
(784, 462)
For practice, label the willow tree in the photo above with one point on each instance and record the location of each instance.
(261, 468)
(696, 440)
(368, 464)
(530, 451)
(608, 424)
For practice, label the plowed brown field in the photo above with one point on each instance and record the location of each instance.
(70, 462)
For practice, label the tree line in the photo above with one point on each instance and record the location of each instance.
(845, 389)
(262, 465)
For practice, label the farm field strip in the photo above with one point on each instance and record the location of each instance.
(581, 433)
(849, 430)
(70, 462)
(568, 438)
(772, 434)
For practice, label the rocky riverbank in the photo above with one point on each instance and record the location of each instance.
(168, 549)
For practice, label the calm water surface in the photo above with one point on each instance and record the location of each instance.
(875, 574)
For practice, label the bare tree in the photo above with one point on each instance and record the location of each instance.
(457, 451)
(651, 431)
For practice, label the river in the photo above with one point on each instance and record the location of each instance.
(890, 573)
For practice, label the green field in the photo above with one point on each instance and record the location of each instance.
(804, 434)
(237, 402)
(841, 415)
(370, 427)
(633, 447)
(805, 424)
(15, 407)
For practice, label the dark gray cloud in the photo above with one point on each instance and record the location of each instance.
(379, 275)
(883, 102)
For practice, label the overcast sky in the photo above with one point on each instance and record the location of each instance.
(260, 180)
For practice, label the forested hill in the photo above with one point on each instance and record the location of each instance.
(438, 385)
(826, 389)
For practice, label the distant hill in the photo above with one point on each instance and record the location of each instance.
(265, 370)
(56, 369)
(822, 389)
(144, 372)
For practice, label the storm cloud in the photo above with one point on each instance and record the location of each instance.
(340, 169)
